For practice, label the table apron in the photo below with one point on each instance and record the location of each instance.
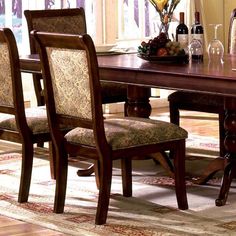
(169, 81)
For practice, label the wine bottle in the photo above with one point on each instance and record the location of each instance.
(197, 29)
(182, 32)
(197, 33)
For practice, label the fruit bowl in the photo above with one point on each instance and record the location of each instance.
(164, 59)
(162, 49)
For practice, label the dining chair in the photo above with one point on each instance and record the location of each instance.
(73, 97)
(17, 124)
(68, 21)
(193, 101)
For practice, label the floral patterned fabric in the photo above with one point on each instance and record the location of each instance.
(130, 132)
(70, 85)
(6, 98)
(36, 120)
(62, 24)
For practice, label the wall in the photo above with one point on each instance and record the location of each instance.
(211, 13)
(216, 11)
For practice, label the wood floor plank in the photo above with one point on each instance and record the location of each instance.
(14, 227)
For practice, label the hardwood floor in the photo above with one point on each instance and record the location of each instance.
(13, 227)
(198, 123)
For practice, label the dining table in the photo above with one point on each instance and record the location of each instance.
(142, 74)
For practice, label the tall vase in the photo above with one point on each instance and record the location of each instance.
(165, 23)
(164, 28)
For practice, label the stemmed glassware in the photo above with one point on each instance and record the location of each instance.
(195, 51)
(215, 47)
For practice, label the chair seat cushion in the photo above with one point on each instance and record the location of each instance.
(36, 120)
(130, 132)
(197, 98)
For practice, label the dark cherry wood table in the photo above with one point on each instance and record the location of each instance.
(141, 75)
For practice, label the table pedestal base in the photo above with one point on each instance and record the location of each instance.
(138, 101)
(214, 166)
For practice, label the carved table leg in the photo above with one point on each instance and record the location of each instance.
(229, 174)
(230, 145)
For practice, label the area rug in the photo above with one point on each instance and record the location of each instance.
(151, 211)
(203, 134)
(202, 145)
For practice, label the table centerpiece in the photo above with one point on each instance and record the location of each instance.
(161, 48)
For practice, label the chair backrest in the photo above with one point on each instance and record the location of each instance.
(71, 21)
(11, 91)
(10, 77)
(232, 33)
(71, 80)
(67, 21)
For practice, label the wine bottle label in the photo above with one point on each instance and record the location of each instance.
(183, 40)
(199, 37)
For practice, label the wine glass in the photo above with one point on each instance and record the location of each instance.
(195, 51)
(215, 47)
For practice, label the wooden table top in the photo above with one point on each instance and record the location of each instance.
(130, 69)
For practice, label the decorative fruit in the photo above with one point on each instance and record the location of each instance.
(162, 52)
(161, 46)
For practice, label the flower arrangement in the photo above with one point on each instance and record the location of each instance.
(165, 8)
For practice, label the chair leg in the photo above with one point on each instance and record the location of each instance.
(61, 181)
(52, 160)
(222, 133)
(97, 173)
(126, 108)
(174, 118)
(26, 171)
(174, 114)
(179, 166)
(104, 191)
(126, 170)
(40, 144)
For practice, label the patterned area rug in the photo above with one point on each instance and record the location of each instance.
(203, 135)
(202, 145)
(151, 211)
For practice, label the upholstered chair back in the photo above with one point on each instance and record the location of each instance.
(69, 67)
(73, 89)
(54, 20)
(232, 33)
(6, 93)
(11, 91)
(63, 24)
(67, 21)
